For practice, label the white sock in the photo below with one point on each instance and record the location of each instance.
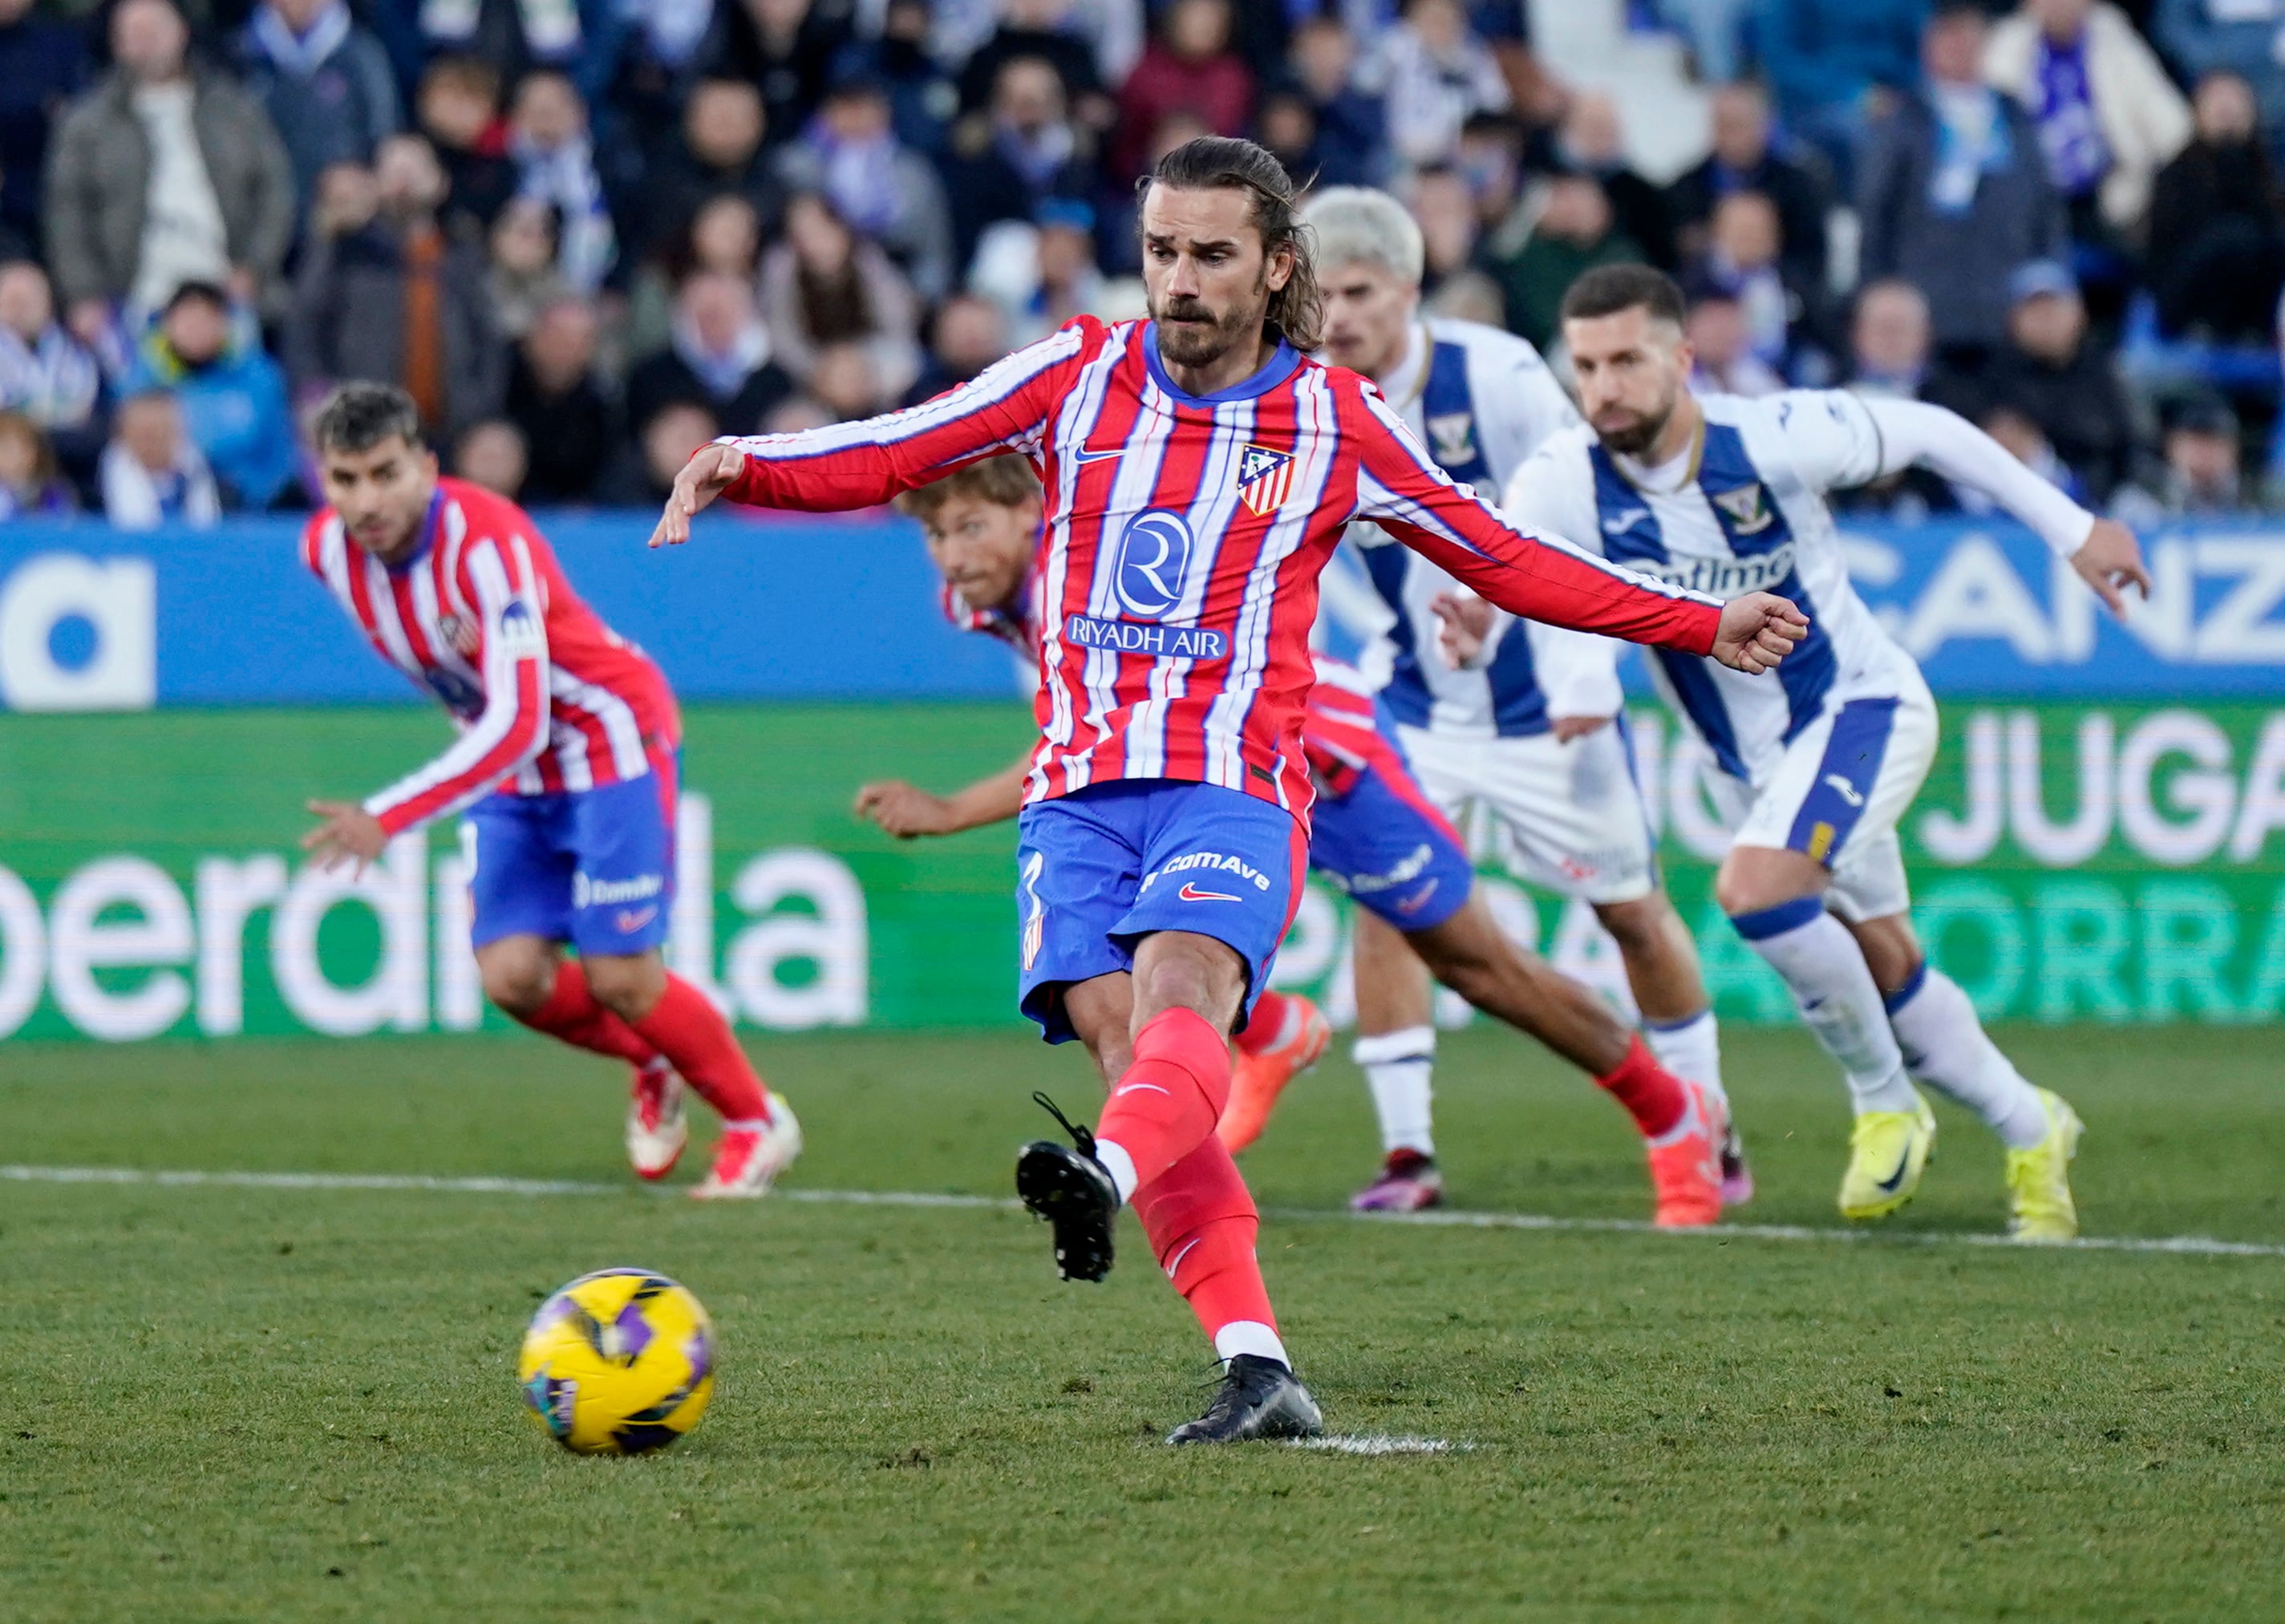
(1398, 1065)
(1834, 991)
(1250, 1337)
(1691, 1049)
(1119, 1166)
(1945, 1046)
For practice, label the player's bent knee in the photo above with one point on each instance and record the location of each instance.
(628, 986)
(518, 983)
(1752, 878)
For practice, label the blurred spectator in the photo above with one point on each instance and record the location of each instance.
(1742, 260)
(2217, 261)
(2200, 477)
(1036, 29)
(161, 175)
(1026, 152)
(784, 48)
(1450, 283)
(798, 414)
(149, 474)
(665, 441)
(824, 285)
(555, 153)
(1352, 124)
(516, 36)
(45, 374)
(493, 454)
(230, 394)
(2109, 117)
(719, 150)
(1188, 69)
(657, 52)
(397, 302)
(970, 333)
(1591, 140)
(885, 190)
(1044, 275)
(1286, 124)
(31, 485)
(719, 356)
(1714, 30)
(725, 235)
(2233, 36)
(521, 274)
(43, 64)
(1491, 159)
(1953, 192)
(922, 98)
(1834, 64)
(846, 383)
(1745, 160)
(2053, 376)
(461, 114)
(1565, 228)
(1720, 330)
(1432, 70)
(569, 431)
(1888, 340)
(2028, 443)
(324, 81)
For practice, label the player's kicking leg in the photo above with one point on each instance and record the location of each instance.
(1152, 974)
(1822, 831)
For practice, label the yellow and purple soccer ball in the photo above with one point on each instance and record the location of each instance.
(619, 1363)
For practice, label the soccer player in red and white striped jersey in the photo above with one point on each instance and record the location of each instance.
(566, 767)
(1199, 471)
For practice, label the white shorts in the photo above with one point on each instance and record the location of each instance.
(1568, 817)
(1838, 790)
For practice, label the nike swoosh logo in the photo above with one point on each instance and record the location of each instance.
(1894, 1180)
(1191, 893)
(1179, 1256)
(1083, 455)
(1138, 1088)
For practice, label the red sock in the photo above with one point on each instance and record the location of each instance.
(1653, 1095)
(1271, 1011)
(1201, 1221)
(572, 1016)
(1171, 1096)
(686, 1028)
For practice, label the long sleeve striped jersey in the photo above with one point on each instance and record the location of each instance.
(1184, 535)
(547, 698)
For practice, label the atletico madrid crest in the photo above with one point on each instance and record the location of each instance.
(1264, 478)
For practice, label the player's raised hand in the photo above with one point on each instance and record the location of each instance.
(1467, 621)
(2110, 561)
(348, 834)
(1757, 630)
(905, 811)
(705, 476)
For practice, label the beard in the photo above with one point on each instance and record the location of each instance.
(1637, 436)
(1191, 334)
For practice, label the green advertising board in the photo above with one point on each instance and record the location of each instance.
(2110, 863)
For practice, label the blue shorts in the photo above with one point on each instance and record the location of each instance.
(1386, 845)
(1099, 870)
(593, 867)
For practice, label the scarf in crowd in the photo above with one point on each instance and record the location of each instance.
(723, 372)
(52, 380)
(551, 27)
(859, 177)
(2077, 156)
(565, 176)
(1038, 156)
(1971, 141)
(300, 55)
(675, 28)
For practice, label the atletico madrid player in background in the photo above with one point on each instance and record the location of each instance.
(1199, 471)
(566, 767)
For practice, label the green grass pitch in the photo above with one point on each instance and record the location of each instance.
(229, 1402)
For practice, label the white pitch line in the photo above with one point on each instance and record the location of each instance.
(2189, 1245)
(1368, 1443)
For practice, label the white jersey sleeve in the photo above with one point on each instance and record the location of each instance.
(1831, 437)
(1578, 671)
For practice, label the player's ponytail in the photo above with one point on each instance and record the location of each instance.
(1210, 162)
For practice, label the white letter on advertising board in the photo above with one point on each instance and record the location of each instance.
(23, 952)
(118, 597)
(832, 939)
(397, 993)
(83, 943)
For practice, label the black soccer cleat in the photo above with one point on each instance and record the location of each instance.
(1260, 1398)
(1074, 1192)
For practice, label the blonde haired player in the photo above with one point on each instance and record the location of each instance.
(1531, 730)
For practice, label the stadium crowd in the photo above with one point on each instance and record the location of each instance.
(589, 235)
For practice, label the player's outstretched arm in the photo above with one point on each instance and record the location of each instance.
(2103, 551)
(907, 812)
(1004, 408)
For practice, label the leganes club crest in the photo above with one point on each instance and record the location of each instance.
(1750, 512)
(1265, 478)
